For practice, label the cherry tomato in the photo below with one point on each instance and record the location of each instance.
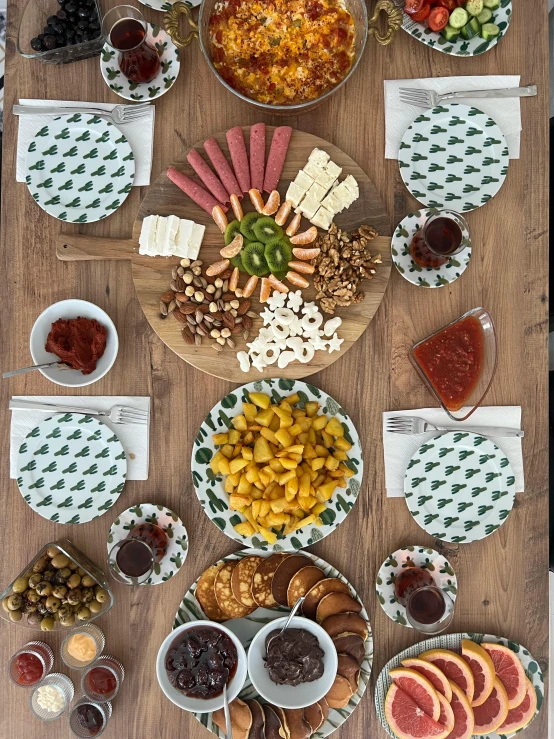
(413, 6)
(423, 13)
(448, 4)
(438, 19)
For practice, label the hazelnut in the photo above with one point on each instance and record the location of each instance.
(185, 262)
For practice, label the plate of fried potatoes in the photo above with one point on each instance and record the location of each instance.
(277, 464)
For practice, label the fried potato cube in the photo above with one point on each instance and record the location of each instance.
(237, 501)
(307, 502)
(250, 411)
(277, 519)
(268, 535)
(340, 455)
(309, 451)
(244, 529)
(286, 476)
(263, 476)
(248, 438)
(275, 424)
(264, 508)
(285, 406)
(234, 436)
(334, 427)
(262, 450)
(237, 464)
(224, 466)
(276, 466)
(346, 471)
(291, 488)
(244, 487)
(269, 435)
(295, 449)
(311, 436)
(277, 492)
(318, 508)
(331, 463)
(283, 415)
(258, 484)
(288, 463)
(312, 408)
(260, 399)
(252, 474)
(308, 521)
(298, 413)
(255, 494)
(343, 444)
(303, 437)
(327, 439)
(215, 461)
(319, 422)
(239, 422)
(304, 487)
(284, 438)
(293, 399)
(247, 453)
(220, 439)
(255, 508)
(270, 473)
(295, 429)
(247, 513)
(279, 505)
(321, 451)
(228, 487)
(235, 478)
(264, 417)
(327, 488)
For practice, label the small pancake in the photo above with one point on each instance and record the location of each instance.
(205, 594)
(325, 708)
(285, 731)
(224, 594)
(241, 580)
(342, 623)
(303, 581)
(314, 716)
(297, 725)
(340, 693)
(263, 577)
(350, 669)
(258, 720)
(284, 574)
(352, 645)
(336, 603)
(241, 719)
(323, 588)
(273, 728)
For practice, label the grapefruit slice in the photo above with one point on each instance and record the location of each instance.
(482, 668)
(493, 712)
(519, 717)
(454, 667)
(463, 714)
(446, 716)
(407, 720)
(436, 677)
(420, 690)
(509, 671)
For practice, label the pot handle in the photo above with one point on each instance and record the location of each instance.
(393, 21)
(171, 24)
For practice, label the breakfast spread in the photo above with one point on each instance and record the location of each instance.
(78, 342)
(293, 657)
(171, 236)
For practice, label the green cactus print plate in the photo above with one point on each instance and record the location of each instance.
(453, 642)
(413, 272)
(247, 628)
(461, 47)
(459, 487)
(166, 519)
(165, 5)
(453, 156)
(71, 468)
(428, 559)
(143, 91)
(80, 168)
(210, 488)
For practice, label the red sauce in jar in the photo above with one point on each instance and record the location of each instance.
(101, 681)
(453, 360)
(29, 669)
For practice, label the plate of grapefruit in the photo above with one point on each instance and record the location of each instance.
(458, 686)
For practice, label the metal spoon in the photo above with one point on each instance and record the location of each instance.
(295, 607)
(228, 728)
(23, 370)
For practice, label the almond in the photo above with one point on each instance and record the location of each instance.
(244, 307)
(228, 296)
(188, 336)
(228, 319)
(168, 296)
(179, 316)
(237, 329)
(188, 309)
(246, 322)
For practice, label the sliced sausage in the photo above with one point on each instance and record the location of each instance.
(257, 156)
(212, 182)
(276, 159)
(221, 166)
(239, 157)
(195, 191)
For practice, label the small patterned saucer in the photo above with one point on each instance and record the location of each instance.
(428, 559)
(164, 80)
(425, 276)
(177, 537)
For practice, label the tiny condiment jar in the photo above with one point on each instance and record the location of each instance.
(103, 686)
(38, 655)
(87, 726)
(88, 630)
(64, 687)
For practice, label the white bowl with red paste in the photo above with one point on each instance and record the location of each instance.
(95, 363)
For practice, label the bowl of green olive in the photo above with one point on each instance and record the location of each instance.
(59, 589)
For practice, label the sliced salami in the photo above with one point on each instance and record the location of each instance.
(239, 157)
(212, 182)
(257, 156)
(221, 166)
(195, 191)
(277, 156)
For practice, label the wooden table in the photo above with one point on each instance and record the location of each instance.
(503, 579)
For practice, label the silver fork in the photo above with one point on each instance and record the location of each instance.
(430, 98)
(120, 114)
(414, 425)
(117, 414)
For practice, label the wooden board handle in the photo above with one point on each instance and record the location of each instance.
(80, 247)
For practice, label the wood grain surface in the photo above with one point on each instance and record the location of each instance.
(503, 579)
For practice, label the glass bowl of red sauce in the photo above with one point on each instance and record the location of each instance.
(30, 664)
(458, 362)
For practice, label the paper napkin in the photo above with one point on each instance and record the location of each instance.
(505, 111)
(140, 135)
(133, 437)
(400, 448)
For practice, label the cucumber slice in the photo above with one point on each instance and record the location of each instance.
(489, 31)
(484, 16)
(471, 29)
(458, 18)
(474, 7)
(492, 4)
(450, 34)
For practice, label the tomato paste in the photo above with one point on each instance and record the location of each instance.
(78, 342)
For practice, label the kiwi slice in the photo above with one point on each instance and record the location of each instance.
(246, 226)
(253, 259)
(266, 229)
(277, 255)
(231, 231)
(237, 262)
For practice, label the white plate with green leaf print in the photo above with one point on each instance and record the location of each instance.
(210, 488)
(461, 47)
(459, 487)
(71, 468)
(80, 168)
(413, 272)
(247, 628)
(162, 82)
(453, 156)
(428, 559)
(166, 519)
(166, 5)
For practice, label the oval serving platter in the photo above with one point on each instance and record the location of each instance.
(246, 628)
(210, 488)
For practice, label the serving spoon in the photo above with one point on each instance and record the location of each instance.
(23, 370)
(295, 608)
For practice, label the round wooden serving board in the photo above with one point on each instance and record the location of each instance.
(152, 275)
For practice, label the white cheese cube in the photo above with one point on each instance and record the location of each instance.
(318, 156)
(333, 169)
(352, 185)
(295, 194)
(309, 206)
(326, 180)
(343, 194)
(313, 170)
(168, 246)
(160, 235)
(332, 203)
(147, 238)
(196, 240)
(303, 180)
(317, 192)
(182, 241)
(322, 219)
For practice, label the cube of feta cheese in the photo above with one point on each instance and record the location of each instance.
(317, 192)
(326, 180)
(303, 180)
(322, 219)
(295, 194)
(160, 235)
(167, 247)
(352, 185)
(343, 194)
(333, 169)
(182, 241)
(147, 238)
(309, 206)
(318, 156)
(332, 203)
(313, 170)
(196, 240)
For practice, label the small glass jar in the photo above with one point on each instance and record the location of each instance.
(65, 688)
(36, 652)
(430, 610)
(131, 561)
(88, 630)
(99, 712)
(114, 675)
